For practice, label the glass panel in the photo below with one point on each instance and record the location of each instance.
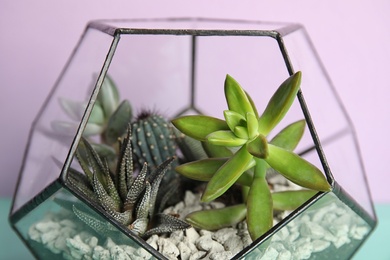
(330, 120)
(55, 129)
(200, 24)
(257, 63)
(326, 229)
(153, 72)
(345, 163)
(59, 229)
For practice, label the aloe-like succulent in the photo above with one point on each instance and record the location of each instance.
(241, 153)
(127, 196)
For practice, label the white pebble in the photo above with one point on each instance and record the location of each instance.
(152, 241)
(34, 234)
(312, 230)
(222, 235)
(270, 253)
(99, 253)
(205, 243)
(342, 240)
(359, 232)
(224, 255)
(281, 235)
(60, 243)
(44, 227)
(77, 247)
(234, 244)
(92, 241)
(167, 248)
(303, 251)
(198, 255)
(284, 255)
(192, 235)
(117, 253)
(216, 205)
(185, 251)
(190, 198)
(320, 245)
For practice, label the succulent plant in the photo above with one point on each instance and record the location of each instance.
(241, 153)
(127, 196)
(109, 117)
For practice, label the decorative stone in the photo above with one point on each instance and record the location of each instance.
(234, 244)
(198, 255)
(153, 241)
(312, 230)
(167, 248)
(192, 235)
(205, 243)
(285, 255)
(224, 255)
(222, 235)
(44, 227)
(77, 247)
(117, 253)
(185, 251)
(99, 253)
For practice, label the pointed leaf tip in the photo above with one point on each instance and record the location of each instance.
(280, 103)
(236, 97)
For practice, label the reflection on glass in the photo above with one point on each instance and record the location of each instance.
(327, 229)
(57, 229)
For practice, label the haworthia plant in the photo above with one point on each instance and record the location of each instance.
(128, 197)
(247, 154)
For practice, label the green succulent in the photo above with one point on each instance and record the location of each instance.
(127, 196)
(109, 116)
(241, 153)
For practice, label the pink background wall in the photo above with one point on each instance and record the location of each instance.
(351, 37)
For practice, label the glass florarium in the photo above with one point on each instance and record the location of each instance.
(192, 139)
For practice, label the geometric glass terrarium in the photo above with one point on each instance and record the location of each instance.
(177, 67)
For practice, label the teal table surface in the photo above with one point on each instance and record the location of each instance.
(377, 247)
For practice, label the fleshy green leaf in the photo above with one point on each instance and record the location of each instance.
(216, 150)
(290, 200)
(97, 115)
(234, 119)
(241, 132)
(290, 136)
(259, 206)
(104, 151)
(118, 122)
(252, 125)
(227, 175)
(236, 97)
(70, 128)
(280, 103)
(199, 126)
(204, 170)
(75, 110)
(214, 219)
(225, 138)
(258, 147)
(296, 169)
(90, 162)
(92, 129)
(108, 96)
(253, 105)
